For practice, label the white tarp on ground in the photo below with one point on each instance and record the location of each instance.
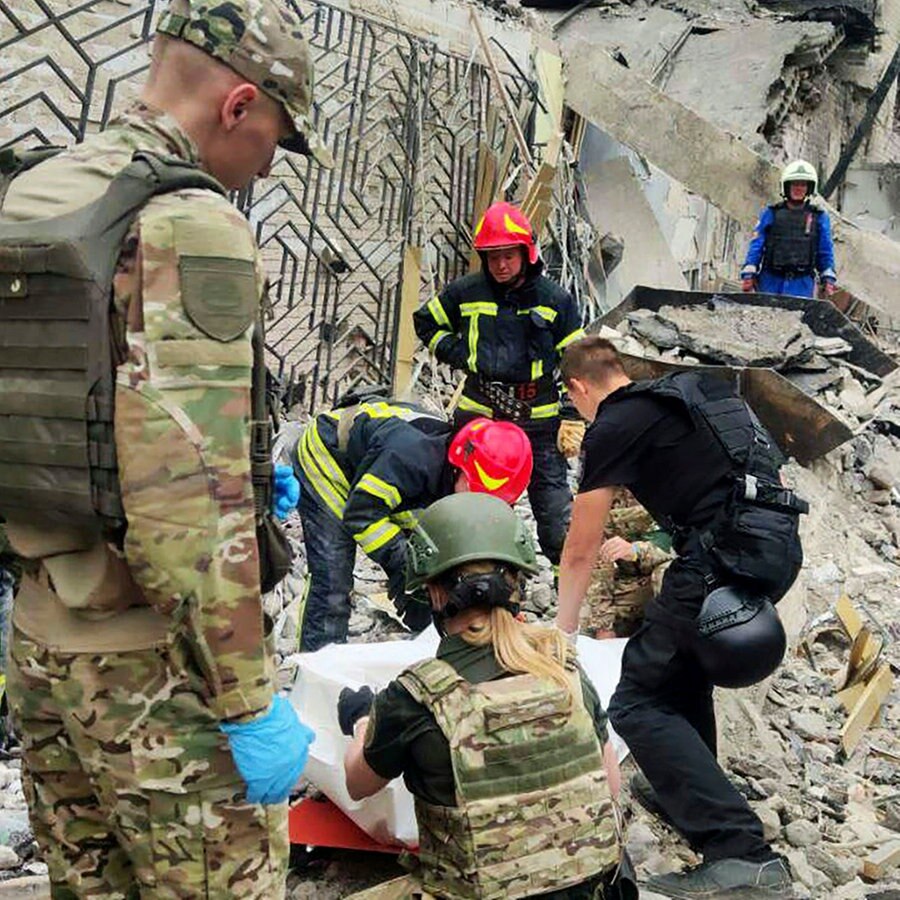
(389, 815)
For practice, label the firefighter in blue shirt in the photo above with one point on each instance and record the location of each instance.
(791, 243)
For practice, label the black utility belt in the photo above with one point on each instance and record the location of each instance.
(533, 392)
(511, 400)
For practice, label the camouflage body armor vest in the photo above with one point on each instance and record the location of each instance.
(534, 811)
(58, 358)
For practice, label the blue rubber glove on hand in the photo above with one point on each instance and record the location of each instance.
(286, 491)
(270, 752)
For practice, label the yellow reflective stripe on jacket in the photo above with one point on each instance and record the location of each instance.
(436, 308)
(478, 308)
(333, 495)
(537, 369)
(473, 311)
(376, 535)
(545, 312)
(405, 519)
(379, 409)
(547, 411)
(438, 337)
(469, 405)
(373, 485)
(574, 336)
(330, 469)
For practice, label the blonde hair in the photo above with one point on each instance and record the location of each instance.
(519, 647)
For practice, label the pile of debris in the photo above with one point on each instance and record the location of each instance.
(816, 749)
(726, 330)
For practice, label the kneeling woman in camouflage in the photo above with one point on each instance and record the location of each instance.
(501, 738)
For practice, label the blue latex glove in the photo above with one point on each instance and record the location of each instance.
(286, 491)
(270, 752)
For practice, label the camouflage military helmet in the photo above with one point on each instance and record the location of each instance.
(464, 528)
(263, 41)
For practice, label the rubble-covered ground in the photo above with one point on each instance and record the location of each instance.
(779, 740)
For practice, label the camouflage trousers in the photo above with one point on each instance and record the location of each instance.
(409, 887)
(613, 604)
(131, 788)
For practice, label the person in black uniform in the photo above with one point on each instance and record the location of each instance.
(506, 326)
(675, 443)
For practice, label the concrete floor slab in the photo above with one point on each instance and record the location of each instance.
(616, 203)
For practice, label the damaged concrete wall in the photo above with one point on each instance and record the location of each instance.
(715, 164)
(615, 199)
(871, 197)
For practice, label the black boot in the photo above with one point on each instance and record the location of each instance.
(727, 879)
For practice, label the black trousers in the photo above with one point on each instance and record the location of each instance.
(663, 709)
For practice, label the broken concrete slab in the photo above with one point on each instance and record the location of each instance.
(731, 333)
(713, 163)
(643, 41)
(858, 17)
(615, 199)
(740, 105)
(822, 318)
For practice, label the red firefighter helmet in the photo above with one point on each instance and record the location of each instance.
(503, 225)
(494, 456)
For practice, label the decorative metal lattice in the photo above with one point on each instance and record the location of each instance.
(402, 118)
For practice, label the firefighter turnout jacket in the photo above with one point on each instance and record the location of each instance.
(507, 339)
(373, 465)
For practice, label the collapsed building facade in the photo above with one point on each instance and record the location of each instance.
(642, 137)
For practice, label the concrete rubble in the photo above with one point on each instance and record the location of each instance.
(677, 161)
(722, 331)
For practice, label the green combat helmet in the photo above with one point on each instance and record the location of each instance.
(465, 528)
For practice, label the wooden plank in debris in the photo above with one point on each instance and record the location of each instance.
(485, 179)
(509, 146)
(877, 864)
(711, 162)
(548, 69)
(863, 659)
(409, 302)
(849, 616)
(524, 149)
(867, 707)
(849, 696)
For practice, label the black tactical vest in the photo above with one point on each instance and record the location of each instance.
(755, 535)
(57, 366)
(792, 240)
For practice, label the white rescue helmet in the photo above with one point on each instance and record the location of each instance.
(799, 170)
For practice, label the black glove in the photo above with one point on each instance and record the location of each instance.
(414, 610)
(393, 561)
(352, 706)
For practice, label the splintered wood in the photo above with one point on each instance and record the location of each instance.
(865, 684)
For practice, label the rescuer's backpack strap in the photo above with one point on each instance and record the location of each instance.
(754, 536)
(13, 162)
(57, 447)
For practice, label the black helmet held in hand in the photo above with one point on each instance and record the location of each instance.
(740, 639)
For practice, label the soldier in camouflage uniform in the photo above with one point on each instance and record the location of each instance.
(501, 738)
(628, 572)
(138, 671)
